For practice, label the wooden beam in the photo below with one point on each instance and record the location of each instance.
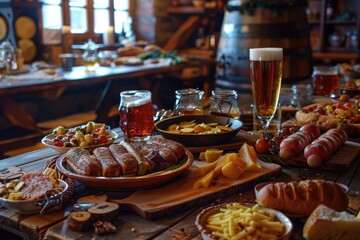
(183, 33)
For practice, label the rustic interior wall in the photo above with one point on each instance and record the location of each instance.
(153, 23)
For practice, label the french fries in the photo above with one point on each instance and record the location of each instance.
(236, 221)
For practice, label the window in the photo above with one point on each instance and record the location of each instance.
(51, 14)
(78, 16)
(101, 16)
(121, 16)
(87, 18)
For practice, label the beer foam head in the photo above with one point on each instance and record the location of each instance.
(135, 98)
(266, 54)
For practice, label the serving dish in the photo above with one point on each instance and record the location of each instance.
(199, 140)
(112, 136)
(201, 221)
(35, 206)
(126, 182)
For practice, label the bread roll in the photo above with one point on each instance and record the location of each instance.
(325, 223)
(130, 51)
(301, 198)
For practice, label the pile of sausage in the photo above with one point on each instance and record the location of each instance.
(126, 159)
(317, 148)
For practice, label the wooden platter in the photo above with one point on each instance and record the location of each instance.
(179, 195)
(235, 143)
(340, 161)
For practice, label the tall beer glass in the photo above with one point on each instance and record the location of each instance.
(136, 115)
(266, 66)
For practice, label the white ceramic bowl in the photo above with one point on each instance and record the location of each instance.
(47, 142)
(201, 221)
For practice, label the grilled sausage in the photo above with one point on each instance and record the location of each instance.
(110, 167)
(128, 163)
(81, 162)
(144, 165)
(176, 147)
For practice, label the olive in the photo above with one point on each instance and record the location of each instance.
(10, 185)
(79, 135)
(60, 130)
(67, 144)
(89, 127)
(3, 191)
(74, 142)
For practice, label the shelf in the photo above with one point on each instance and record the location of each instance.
(314, 22)
(340, 49)
(340, 22)
(343, 56)
(191, 10)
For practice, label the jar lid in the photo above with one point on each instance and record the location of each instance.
(223, 93)
(187, 91)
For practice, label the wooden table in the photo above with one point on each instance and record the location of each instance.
(53, 88)
(177, 225)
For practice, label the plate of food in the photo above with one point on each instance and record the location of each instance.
(328, 115)
(249, 221)
(349, 72)
(127, 166)
(88, 136)
(199, 130)
(32, 193)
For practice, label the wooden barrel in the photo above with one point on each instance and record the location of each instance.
(240, 32)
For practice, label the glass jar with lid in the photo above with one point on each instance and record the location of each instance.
(188, 102)
(90, 57)
(224, 103)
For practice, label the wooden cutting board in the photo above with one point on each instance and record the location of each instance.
(180, 195)
(235, 143)
(339, 161)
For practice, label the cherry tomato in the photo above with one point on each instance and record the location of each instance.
(58, 143)
(262, 145)
(348, 105)
(103, 139)
(277, 139)
(285, 131)
(320, 110)
(292, 130)
(339, 105)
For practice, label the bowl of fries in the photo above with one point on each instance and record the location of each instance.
(199, 130)
(238, 221)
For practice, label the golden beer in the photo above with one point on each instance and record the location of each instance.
(136, 115)
(265, 75)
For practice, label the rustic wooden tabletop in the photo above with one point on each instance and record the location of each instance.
(167, 223)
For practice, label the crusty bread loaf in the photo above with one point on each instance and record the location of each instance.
(325, 223)
(130, 51)
(301, 198)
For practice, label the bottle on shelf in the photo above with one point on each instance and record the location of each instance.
(329, 11)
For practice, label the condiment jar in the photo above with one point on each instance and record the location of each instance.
(90, 57)
(224, 103)
(188, 102)
(19, 59)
